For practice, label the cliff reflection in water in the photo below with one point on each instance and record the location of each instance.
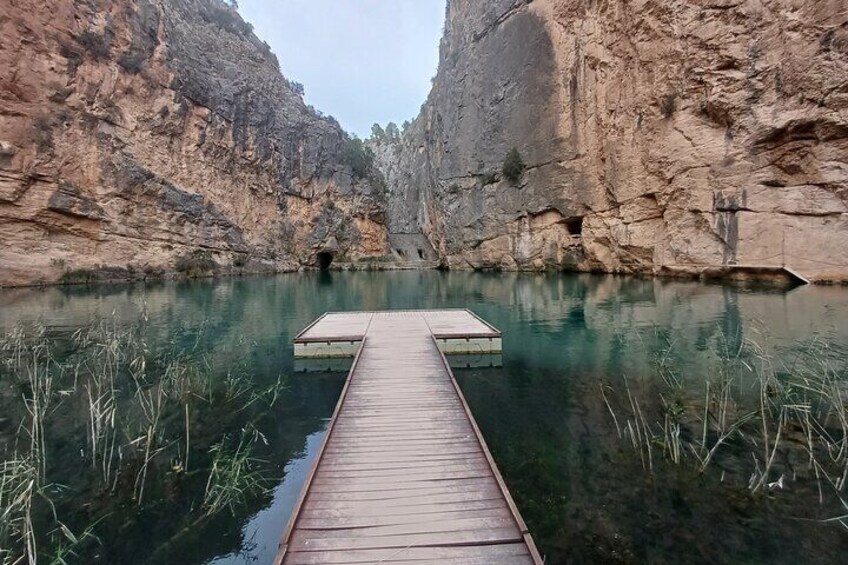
(582, 489)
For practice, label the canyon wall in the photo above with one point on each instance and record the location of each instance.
(140, 137)
(658, 136)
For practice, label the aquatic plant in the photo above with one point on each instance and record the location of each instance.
(68, 544)
(234, 476)
(132, 410)
(19, 486)
(797, 404)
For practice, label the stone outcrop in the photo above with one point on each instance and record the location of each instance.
(407, 243)
(659, 136)
(140, 135)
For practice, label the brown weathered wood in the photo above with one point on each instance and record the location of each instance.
(483, 554)
(314, 468)
(328, 522)
(307, 540)
(403, 474)
(408, 510)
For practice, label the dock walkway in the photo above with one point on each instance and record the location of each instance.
(404, 475)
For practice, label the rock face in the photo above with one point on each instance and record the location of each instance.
(150, 135)
(407, 243)
(659, 136)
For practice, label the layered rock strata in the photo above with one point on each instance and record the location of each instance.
(153, 136)
(659, 136)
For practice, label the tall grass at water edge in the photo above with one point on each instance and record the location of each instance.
(136, 418)
(766, 418)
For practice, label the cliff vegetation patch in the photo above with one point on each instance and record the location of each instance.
(196, 264)
(513, 166)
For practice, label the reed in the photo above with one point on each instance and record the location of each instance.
(67, 544)
(234, 476)
(19, 486)
(133, 411)
(800, 402)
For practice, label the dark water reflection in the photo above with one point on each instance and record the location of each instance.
(581, 489)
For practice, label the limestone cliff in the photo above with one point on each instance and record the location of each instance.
(658, 136)
(144, 136)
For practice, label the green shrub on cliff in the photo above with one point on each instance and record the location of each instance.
(668, 105)
(378, 134)
(392, 132)
(358, 157)
(96, 44)
(79, 276)
(226, 17)
(198, 263)
(513, 166)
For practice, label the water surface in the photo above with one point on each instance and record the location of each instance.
(584, 491)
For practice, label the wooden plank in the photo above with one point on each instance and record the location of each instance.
(507, 496)
(407, 509)
(418, 458)
(462, 561)
(423, 469)
(402, 433)
(385, 487)
(406, 471)
(407, 501)
(396, 447)
(303, 540)
(328, 522)
(403, 474)
(488, 554)
(403, 458)
(425, 447)
(405, 493)
(303, 493)
(445, 525)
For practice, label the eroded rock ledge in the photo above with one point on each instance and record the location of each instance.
(142, 137)
(145, 137)
(667, 137)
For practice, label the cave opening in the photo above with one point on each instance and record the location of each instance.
(575, 226)
(325, 259)
(421, 254)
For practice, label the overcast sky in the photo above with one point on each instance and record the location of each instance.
(362, 61)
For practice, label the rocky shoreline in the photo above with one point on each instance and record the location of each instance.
(723, 274)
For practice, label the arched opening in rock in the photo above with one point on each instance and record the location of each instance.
(575, 226)
(325, 259)
(420, 253)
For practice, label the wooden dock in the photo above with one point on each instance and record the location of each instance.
(404, 475)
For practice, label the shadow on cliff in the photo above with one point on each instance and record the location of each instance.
(499, 91)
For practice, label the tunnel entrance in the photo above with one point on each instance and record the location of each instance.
(575, 226)
(325, 259)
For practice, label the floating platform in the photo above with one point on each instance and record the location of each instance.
(340, 334)
(403, 475)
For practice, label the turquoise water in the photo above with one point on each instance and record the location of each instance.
(586, 492)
